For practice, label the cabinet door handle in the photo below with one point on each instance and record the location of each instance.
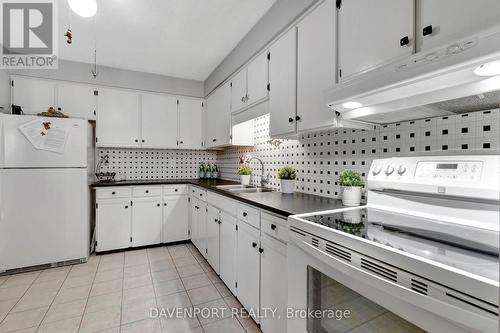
(157, 205)
(213, 140)
(261, 250)
(243, 99)
(136, 140)
(297, 118)
(254, 244)
(176, 190)
(126, 207)
(143, 140)
(290, 120)
(219, 221)
(165, 204)
(247, 97)
(215, 220)
(404, 41)
(273, 226)
(113, 193)
(147, 191)
(245, 214)
(181, 142)
(427, 30)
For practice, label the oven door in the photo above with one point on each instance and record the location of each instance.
(328, 295)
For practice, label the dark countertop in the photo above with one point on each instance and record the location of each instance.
(276, 202)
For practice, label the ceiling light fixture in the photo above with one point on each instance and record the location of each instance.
(488, 69)
(84, 8)
(352, 105)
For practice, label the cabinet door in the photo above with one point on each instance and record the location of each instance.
(273, 284)
(175, 219)
(202, 224)
(146, 221)
(371, 32)
(117, 118)
(453, 20)
(228, 242)
(212, 237)
(258, 78)
(190, 123)
(113, 218)
(33, 95)
(315, 66)
(195, 233)
(77, 100)
(282, 78)
(239, 91)
(223, 115)
(211, 126)
(248, 267)
(158, 121)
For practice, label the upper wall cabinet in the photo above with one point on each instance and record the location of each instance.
(159, 118)
(118, 118)
(218, 123)
(282, 80)
(447, 21)
(36, 95)
(190, 123)
(250, 85)
(315, 66)
(373, 33)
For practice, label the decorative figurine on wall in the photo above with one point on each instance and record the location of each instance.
(69, 36)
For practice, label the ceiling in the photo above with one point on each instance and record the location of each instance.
(180, 38)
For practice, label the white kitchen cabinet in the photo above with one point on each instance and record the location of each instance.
(316, 55)
(273, 285)
(211, 120)
(195, 232)
(248, 267)
(146, 221)
(77, 100)
(257, 79)
(212, 237)
(239, 91)
(113, 224)
(118, 118)
(228, 247)
(159, 119)
(374, 33)
(190, 123)
(33, 95)
(447, 21)
(282, 80)
(218, 119)
(175, 218)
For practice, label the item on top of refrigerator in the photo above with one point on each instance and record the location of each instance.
(51, 112)
(16, 109)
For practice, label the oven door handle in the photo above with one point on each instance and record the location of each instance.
(433, 305)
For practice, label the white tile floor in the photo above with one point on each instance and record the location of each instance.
(115, 292)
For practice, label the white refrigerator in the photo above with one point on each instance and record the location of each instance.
(44, 210)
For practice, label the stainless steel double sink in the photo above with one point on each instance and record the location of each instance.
(243, 189)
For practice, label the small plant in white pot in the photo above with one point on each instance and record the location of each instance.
(351, 183)
(245, 173)
(287, 177)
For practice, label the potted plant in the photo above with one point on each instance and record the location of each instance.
(287, 177)
(351, 183)
(202, 170)
(245, 173)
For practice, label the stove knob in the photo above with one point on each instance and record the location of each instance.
(389, 170)
(401, 170)
(376, 170)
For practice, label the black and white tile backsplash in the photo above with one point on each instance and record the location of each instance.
(320, 157)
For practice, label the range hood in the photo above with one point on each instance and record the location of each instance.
(428, 84)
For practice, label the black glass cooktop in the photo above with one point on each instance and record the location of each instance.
(471, 249)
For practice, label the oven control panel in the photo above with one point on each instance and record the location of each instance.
(460, 170)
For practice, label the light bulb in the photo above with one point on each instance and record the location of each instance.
(488, 69)
(352, 105)
(84, 8)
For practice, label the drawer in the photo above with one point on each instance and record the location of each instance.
(274, 226)
(146, 191)
(198, 193)
(223, 203)
(113, 192)
(249, 215)
(175, 189)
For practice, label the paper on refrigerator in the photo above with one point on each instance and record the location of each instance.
(45, 135)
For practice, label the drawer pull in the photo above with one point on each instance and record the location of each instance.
(245, 214)
(113, 193)
(147, 191)
(126, 207)
(273, 226)
(176, 190)
(254, 244)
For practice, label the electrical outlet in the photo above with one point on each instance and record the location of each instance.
(172, 163)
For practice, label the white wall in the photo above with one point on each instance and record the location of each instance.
(281, 14)
(108, 76)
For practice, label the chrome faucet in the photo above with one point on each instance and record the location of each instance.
(264, 180)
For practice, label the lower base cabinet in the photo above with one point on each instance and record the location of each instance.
(248, 268)
(198, 225)
(146, 221)
(273, 285)
(113, 224)
(228, 246)
(175, 218)
(212, 237)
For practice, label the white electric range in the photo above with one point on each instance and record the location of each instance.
(422, 255)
